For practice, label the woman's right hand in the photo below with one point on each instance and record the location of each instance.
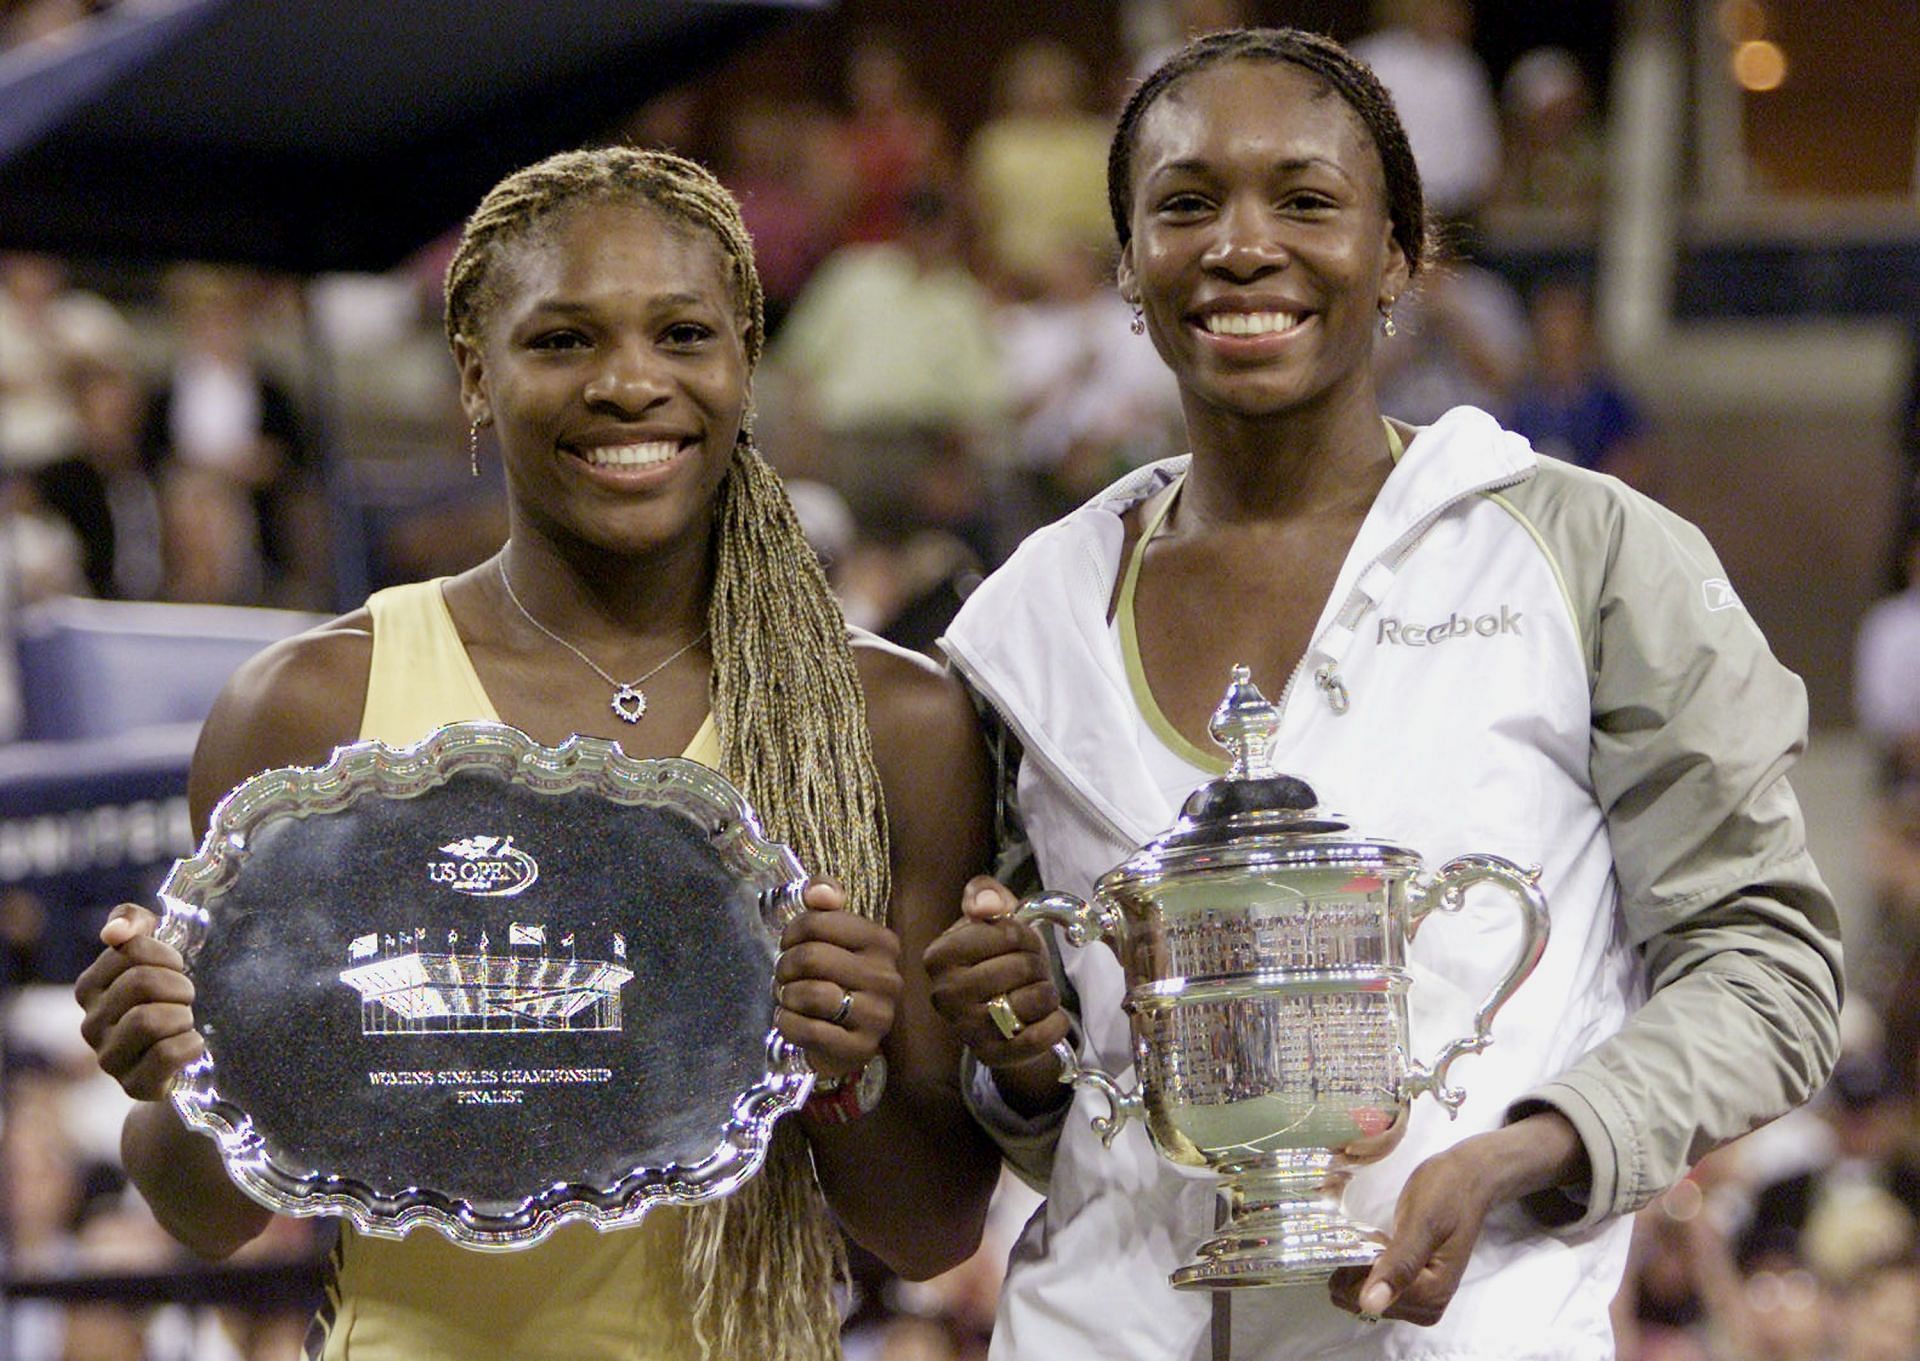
(139, 1006)
(988, 963)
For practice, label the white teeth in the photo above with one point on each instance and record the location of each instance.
(633, 455)
(1248, 323)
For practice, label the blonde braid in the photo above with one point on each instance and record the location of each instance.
(789, 702)
(792, 719)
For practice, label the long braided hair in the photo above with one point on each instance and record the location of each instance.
(792, 720)
(1349, 77)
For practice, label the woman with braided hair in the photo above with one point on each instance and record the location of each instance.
(1472, 649)
(606, 318)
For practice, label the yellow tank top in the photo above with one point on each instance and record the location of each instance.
(579, 1295)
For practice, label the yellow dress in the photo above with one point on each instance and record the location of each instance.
(579, 1295)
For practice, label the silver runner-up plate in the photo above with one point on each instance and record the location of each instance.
(486, 986)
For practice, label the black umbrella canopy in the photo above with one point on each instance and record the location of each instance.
(312, 135)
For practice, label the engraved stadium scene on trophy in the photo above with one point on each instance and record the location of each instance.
(408, 986)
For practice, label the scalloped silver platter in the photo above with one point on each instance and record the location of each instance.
(486, 986)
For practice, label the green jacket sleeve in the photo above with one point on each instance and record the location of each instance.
(1695, 725)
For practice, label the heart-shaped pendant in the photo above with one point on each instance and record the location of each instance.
(629, 704)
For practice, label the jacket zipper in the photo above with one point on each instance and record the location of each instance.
(1326, 677)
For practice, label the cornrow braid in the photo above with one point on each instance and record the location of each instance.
(1350, 78)
(791, 713)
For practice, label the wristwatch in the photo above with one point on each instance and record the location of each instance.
(838, 1101)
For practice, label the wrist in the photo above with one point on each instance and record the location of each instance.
(1032, 1087)
(841, 1101)
(1539, 1152)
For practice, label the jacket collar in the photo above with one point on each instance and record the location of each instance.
(1034, 640)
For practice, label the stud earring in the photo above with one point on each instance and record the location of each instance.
(473, 449)
(1139, 323)
(1387, 328)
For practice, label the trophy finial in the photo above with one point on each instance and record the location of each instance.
(1245, 724)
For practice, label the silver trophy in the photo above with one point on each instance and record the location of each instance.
(1265, 949)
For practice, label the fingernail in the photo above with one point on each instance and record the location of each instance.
(997, 900)
(1375, 1299)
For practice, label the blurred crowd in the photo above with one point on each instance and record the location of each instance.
(949, 364)
(152, 467)
(949, 367)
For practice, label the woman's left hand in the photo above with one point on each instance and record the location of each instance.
(1442, 1207)
(837, 982)
(1435, 1226)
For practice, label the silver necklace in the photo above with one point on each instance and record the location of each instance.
(629, 701)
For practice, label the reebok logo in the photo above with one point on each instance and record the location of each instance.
(1455, 626)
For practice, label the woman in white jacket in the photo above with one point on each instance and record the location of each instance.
(1474, 650)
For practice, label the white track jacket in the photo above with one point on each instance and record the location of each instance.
(1539, 663)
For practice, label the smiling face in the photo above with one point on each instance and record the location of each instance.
(612, 365)
(1261, 245)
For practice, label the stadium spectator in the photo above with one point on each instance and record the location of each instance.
(1857, 1205)
(894, 349)
(1570, 405)
(1460, 338)
(894, 138)
(101, 488)
(45, 329)
(40, 556)
(1886, 665)
(1037, 171)
(1554, 157)
(777, 161)
(1422, 50)
(224, 429)
(1091, 398)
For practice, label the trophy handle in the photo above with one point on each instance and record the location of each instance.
(1085, 923)
(782, 904)
(1446, 892)
(1121, 1106)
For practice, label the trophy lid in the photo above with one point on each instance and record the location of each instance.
(1254, 807)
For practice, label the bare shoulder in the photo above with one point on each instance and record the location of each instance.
(933, 764)
(912, 701)
(290, 704)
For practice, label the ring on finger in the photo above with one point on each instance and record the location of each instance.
(1005, 1019)
(846, 1009)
